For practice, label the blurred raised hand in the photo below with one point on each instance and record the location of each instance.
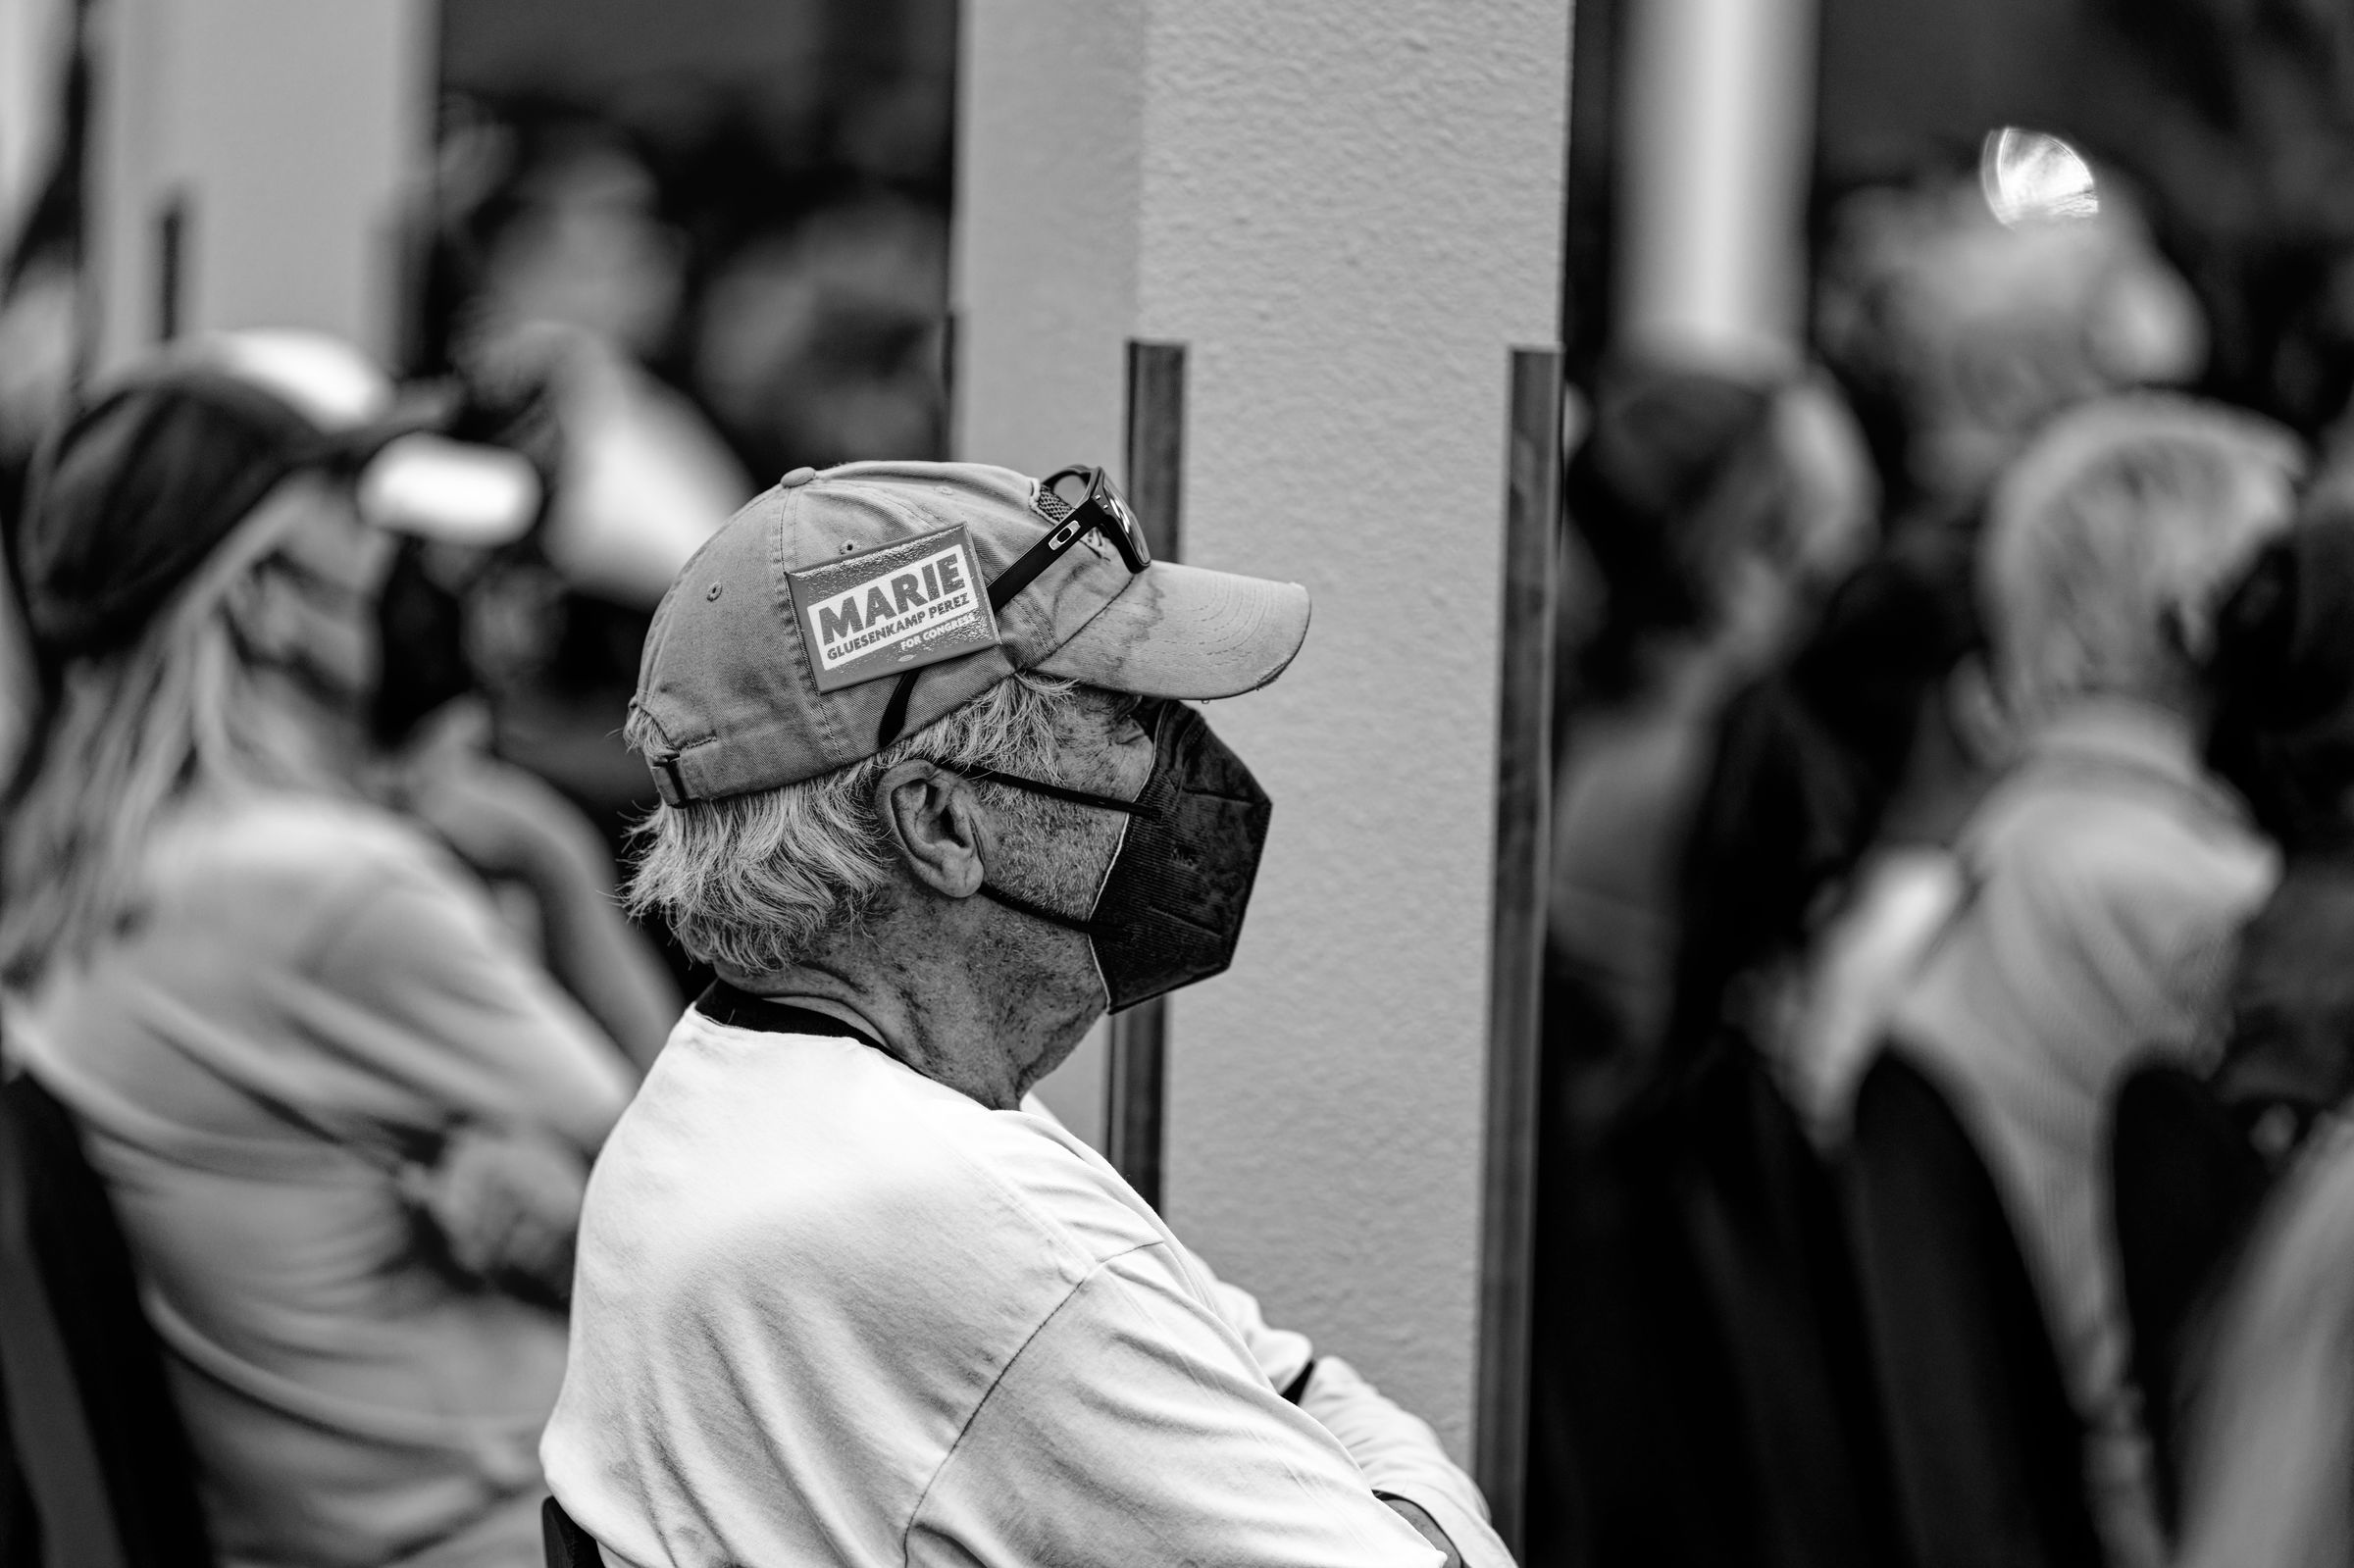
(518, 832)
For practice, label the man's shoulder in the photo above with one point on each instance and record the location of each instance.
(2138, 845)
(822, 1152)
(810, 1247)
(296, 837)
(290, 868)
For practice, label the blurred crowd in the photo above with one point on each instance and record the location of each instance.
(1946, 1025)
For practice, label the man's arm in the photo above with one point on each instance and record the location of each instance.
(1397, 1453)
(1131, 1427)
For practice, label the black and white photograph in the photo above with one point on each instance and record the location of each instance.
(1098, 783)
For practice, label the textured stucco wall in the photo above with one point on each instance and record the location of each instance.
(1350, 210)
(1047, 173)
(295, 131)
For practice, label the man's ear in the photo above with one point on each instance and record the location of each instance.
(942, 836)
(1981, 720)
(260, 604)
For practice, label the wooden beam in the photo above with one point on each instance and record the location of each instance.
(1135, 1078)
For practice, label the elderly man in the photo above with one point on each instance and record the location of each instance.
(930, 805)
(2110, 872)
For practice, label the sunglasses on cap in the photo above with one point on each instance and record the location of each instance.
(1077, 500)
(1080, 501)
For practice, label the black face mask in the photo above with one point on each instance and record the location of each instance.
(1171, 909)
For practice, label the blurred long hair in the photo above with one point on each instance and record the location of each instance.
(129, 735)
(2273, 1473)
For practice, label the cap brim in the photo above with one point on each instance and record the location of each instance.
(457, 492)
(1187, 632)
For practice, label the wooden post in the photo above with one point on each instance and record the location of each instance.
(1524, 804)
(1136, 1080)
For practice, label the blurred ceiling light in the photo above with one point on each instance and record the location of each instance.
(2028, 175)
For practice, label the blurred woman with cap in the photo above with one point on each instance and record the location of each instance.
(343, 1118)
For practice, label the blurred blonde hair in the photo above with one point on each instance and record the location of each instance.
(2272, 1476)
(2123, 512)
(132, 733)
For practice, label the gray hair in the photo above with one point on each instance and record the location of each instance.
(756, 882)
(2124, 512)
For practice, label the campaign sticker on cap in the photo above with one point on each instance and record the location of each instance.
(880, 612)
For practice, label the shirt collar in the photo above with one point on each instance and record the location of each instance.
(738, 1008)
(2121, 731)
(2122, 734)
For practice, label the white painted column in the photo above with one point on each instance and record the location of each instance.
(289, 133)
(1348, 210)
(1718, 130)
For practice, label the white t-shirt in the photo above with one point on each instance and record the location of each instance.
(828, 1311)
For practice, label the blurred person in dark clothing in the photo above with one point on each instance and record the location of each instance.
(2284, 738)
(343, 1115)
(2271, 1471)
(1821, 863)
(1712, 509)
(561, 285)
(823, 344)
(579, 285)
(2110, 872)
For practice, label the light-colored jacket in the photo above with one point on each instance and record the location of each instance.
(316, 991)
(2107, 880)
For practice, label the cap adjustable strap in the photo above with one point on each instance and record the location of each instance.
(895, 712)
(1001, 588)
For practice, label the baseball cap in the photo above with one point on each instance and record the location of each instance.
(142, 483)
(773, 656)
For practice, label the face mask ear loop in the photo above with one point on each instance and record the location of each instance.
(1110, 864)
(1086, 926)
(1023, 906)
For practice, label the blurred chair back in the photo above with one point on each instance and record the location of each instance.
(1987, 1453)
(104, 1459)
(568, 1544)
(2185, 1185)
(1770, 1253)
